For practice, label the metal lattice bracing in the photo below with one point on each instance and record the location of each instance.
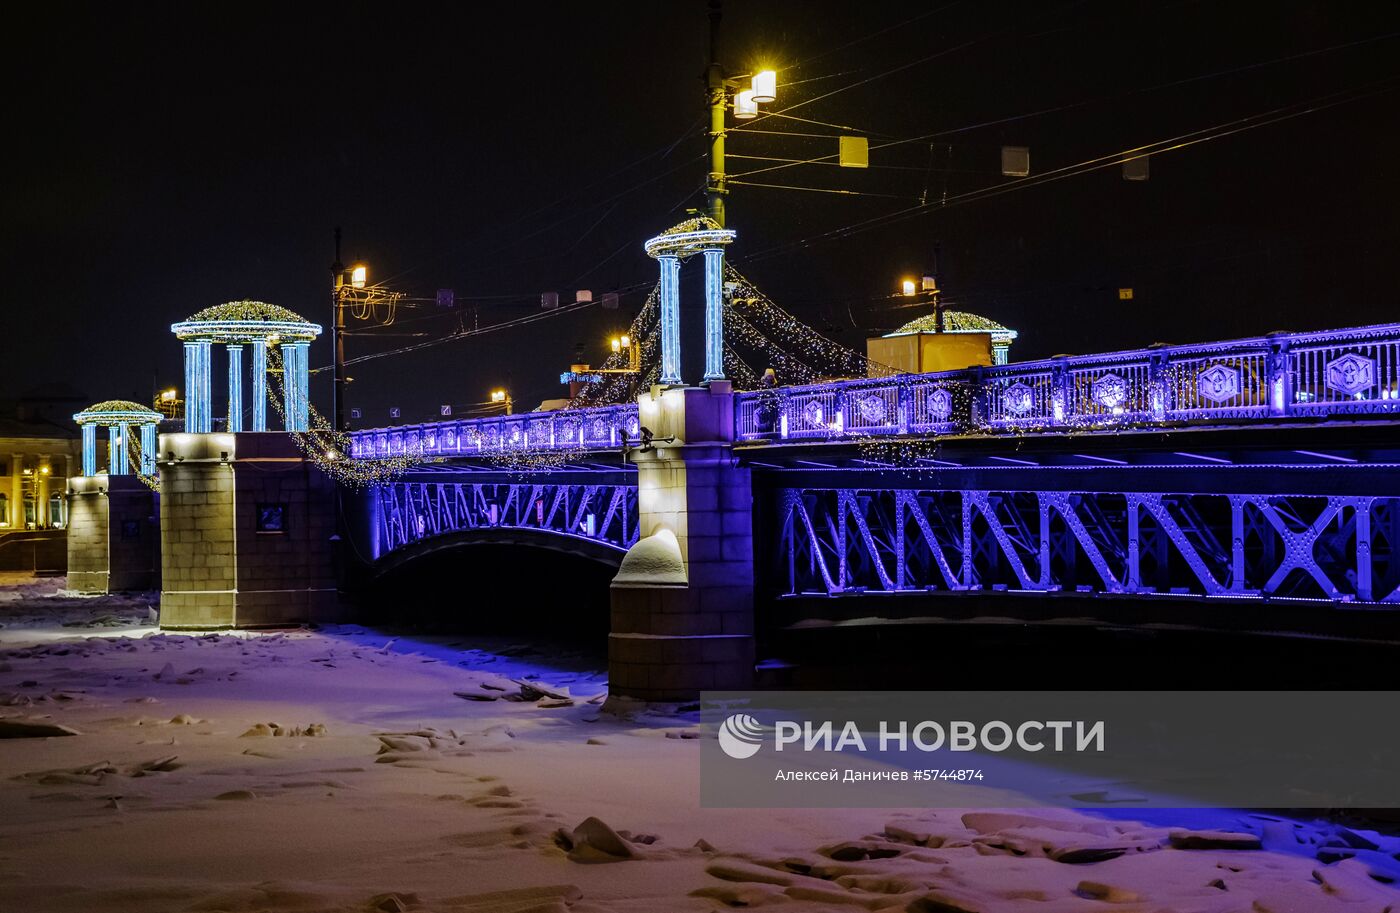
(410, 512)
(1241, 546)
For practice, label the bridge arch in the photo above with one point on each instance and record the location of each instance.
(546, 540)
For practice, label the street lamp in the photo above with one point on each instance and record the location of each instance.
(761, 88)
(502, 396)
(358, 274)
(623, 345)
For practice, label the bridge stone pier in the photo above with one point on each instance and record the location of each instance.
(113, 534)
(682, 601)
(246, 528)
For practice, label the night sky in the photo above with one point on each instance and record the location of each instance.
(163, 158)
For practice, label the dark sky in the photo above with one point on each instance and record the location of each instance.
(162, 158)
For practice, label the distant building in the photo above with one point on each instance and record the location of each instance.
(39, 449)
(1001, 337)
(966, 341)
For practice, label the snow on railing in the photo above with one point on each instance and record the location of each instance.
(1336, 372)
(598, 428)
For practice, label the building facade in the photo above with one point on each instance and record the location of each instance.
(36, 459)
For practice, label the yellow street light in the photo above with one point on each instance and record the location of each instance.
(359, 273)
(498, 396)
(167, 396)
(745, 108)
(910, 287)
(626, 342)
(765, 86)
(616, 344)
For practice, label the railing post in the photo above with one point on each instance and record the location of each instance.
(980, 410)
(1280, 377)
(905, 405)
(1157, 386)
(1061, 396)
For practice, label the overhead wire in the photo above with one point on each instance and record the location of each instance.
(1182, 141)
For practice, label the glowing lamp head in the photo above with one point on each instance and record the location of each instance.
(909, 288)
(616, 344)
(359, 274)
(498, 396)
(765, 86)
(168, 396)
(745, 108)
(626, 342)
(43, 470)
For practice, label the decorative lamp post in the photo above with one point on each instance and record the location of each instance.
(744, 94)
(258, 325)
(119, 417)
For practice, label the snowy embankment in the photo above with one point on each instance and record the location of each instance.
(343, 770)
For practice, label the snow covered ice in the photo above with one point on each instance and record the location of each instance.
(346, 769)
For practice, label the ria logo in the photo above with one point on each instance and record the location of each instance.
(741, 736)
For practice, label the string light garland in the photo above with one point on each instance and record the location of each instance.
(135, 454)
(800, 354)
(330, 449)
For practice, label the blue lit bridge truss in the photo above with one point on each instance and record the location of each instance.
(1341, 548)
(410, 511)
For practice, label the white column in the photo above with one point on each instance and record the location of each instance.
(714, 314)
(670, 320)
(148, 449)
(116, 450)
(259, 385)
(296, 385)
(198, 393)
(235, 388)
(89, 450)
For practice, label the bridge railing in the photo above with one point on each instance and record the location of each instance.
(1337, 372)
(599, 428)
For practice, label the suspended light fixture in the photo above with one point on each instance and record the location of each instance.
(765, 86)
(909, 287)
(745, 108)
(358, 276)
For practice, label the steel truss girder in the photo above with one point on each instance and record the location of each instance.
(409, 512)
(1344, 548)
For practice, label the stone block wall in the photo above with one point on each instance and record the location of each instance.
(198, 581)
(88, 529)
(113, 537)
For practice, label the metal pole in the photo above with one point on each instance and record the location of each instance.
(338, 337)
(715, 190)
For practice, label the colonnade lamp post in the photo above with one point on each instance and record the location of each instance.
(258, 325)
(119, 417)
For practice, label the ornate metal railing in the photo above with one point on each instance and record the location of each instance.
(1282, 375)
(581, 430)
(1336, 372)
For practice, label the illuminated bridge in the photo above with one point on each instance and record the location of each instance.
(1260, 469)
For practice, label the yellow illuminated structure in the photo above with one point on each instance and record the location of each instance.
(36, 457)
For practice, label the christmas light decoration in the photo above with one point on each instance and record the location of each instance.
(118, 416)
(328, 448)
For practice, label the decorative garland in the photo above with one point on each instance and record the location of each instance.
(330, 449)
